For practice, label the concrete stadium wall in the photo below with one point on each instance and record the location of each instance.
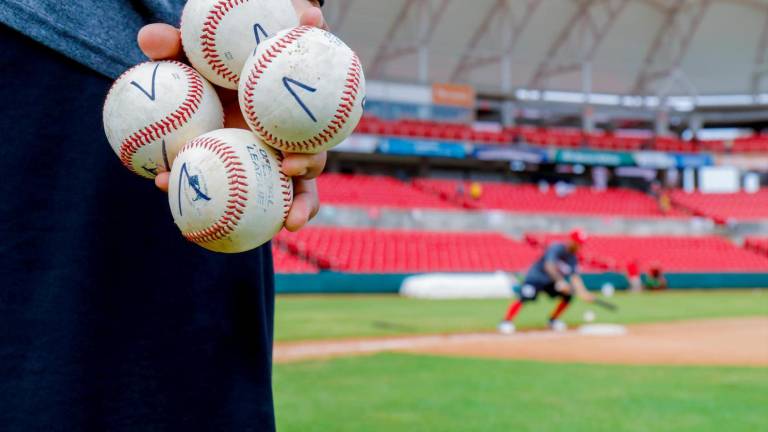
(513, 224)
(351, 283)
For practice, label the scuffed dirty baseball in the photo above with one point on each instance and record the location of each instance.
(227, 192)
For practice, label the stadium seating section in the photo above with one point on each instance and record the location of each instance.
(721, 207)
(757, 244)
(683, 254)
(286, 262)
(391, 251)
(437, 194)
(529, 199)
(376, 191)
(394, 251)
(551, 137)
(382, 191)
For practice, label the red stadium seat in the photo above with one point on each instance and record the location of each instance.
(377, 191)
(739, 206)
(528, 199)
(392, 251)
(681, 254)
(287, 262)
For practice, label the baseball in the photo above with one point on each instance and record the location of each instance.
(219, 35)
(303, 90)
(608, 289)
(153, 109)
(589, 316)
(227, 192)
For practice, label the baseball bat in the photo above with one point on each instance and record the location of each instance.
(606, 305)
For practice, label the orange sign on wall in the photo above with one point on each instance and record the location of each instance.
(459, 95)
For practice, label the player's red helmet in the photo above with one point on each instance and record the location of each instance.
(578, 236)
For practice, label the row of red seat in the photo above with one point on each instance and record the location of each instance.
(376, 191)
(286, 262)
(553, 137)
(395, 251)
(530, 199)
(757, 244)
(682, 254)
(383, 191)
(724, 207)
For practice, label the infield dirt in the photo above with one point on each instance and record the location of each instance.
(732, 341)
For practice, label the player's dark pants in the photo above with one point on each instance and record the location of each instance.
(530, 292)
(109, 319)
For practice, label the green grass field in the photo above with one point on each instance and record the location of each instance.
(400, 392)
(422, 393)
(329, 317)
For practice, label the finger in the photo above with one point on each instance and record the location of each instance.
(313, 17)
(306, 166)
(160, 41)
(161, 181)
(305, 205)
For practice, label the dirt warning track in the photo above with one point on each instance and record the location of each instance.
(732, 341)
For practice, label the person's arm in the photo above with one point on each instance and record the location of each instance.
(550, 267)
(561, 284)
(581, 289)
(163, 41)
(662, 282)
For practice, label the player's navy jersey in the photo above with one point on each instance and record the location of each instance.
(566, 262)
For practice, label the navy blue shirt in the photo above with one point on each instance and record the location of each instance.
(557, 253)
(100, 34)
(109, 319)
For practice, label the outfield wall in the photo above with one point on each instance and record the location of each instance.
(354, 283)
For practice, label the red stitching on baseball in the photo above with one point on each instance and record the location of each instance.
(208, 38)
(343, 112)
(238, 190)
(170, 123)
(286, 184)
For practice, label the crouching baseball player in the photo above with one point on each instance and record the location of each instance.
(557, 274)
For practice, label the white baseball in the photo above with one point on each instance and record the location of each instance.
(219, 35)
(153, 109)
(227, 192)
(303, 91)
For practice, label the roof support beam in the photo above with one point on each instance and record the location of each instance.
(760, 68)
(336, 14)
(499, 21)
(671, 45)
(584, 30)
(416, 16)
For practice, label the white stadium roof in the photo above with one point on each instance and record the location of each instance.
(631, 47)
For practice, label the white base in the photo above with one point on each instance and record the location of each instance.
(603, 330)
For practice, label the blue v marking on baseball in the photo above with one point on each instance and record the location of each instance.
(138, 86)
(257, 28)
(194, 183)
(288, 83)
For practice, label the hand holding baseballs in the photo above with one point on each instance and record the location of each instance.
(162, 41)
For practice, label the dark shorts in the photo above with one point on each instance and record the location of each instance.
(529, 291)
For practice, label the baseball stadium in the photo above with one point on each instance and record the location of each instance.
(494, 129)
(384, 215)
